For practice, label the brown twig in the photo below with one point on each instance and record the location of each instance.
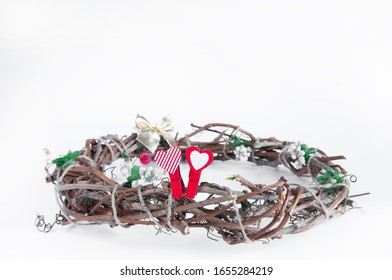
(265, 211)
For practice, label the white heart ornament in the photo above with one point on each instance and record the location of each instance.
(199, 160)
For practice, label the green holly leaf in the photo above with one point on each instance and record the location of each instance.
(339, 179)
(61, 162)
(238, 142)
(322, 179)
(135, 175)
(331, 176)
(308, 151)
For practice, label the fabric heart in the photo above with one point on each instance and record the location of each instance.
(168, 160)
(198, 159)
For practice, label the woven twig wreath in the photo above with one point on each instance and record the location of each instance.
(88, 193)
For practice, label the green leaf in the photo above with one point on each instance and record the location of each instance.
(244, 206)
(135, 172)
(125, 156)
(331, 176)
(322, 179)
(331, 190)
(65, 160)
(308, 151)
(135, 175)
(232, 178)
(339, 179)
(238, 142)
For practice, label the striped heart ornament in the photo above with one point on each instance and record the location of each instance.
(168, 160)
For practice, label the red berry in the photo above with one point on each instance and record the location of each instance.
(145, 158)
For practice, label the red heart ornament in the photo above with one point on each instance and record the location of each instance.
(168, 160)
(197, 160)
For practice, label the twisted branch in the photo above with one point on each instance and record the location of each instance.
(263, 211)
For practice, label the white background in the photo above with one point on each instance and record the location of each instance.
(318, 71)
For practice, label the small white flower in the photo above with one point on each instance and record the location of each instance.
(297, 155)
(149, 175)
(242, 153)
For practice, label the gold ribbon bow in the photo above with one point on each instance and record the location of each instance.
(150, 135)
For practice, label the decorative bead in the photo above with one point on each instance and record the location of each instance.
(145, 158)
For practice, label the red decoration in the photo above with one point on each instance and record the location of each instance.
(197, 160)
(145, 158)
(169, 160)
